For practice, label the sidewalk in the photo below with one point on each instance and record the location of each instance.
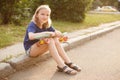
(20, 61)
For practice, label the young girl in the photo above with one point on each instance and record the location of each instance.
(40, 25)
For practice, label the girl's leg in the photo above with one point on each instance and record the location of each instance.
(37, 49)
(61, 65)
(54, 53)
(63, 54)
(61, 51)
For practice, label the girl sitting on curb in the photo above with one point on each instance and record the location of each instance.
(40, 26)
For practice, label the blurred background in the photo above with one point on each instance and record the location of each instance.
(16, 10)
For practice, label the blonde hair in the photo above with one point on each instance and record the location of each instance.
(35, 18)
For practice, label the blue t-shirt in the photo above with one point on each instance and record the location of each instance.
(32, 27)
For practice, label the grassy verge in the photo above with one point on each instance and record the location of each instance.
(11, 34)
(90, 21)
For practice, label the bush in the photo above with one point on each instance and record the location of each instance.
(70, 10)
(12, 11)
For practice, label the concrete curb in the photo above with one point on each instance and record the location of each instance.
(5, 69)
(24, 61)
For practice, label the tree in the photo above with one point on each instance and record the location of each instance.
(6, 10)
(12, 11)
(70, 10)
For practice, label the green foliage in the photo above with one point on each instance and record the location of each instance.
(12, 11)
(16, 10)
(109, 2)
(35, 3)
(70, 10)
(97, 3)
(6, 10)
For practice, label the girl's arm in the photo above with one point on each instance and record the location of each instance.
(33, 36)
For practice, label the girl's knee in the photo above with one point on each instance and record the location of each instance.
(51, 40)
(56, 40)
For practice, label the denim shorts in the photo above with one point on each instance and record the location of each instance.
(28, 53)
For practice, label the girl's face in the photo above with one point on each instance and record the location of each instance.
(43, 15)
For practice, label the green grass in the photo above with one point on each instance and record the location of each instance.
(96, 19)
(11, 34)
(91, 20)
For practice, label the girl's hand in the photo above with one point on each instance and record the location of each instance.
(58, 33)
(46, 40)
(52, 34)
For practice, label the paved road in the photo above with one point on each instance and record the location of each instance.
(99, 59)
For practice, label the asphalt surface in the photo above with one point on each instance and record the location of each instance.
(99, 59)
